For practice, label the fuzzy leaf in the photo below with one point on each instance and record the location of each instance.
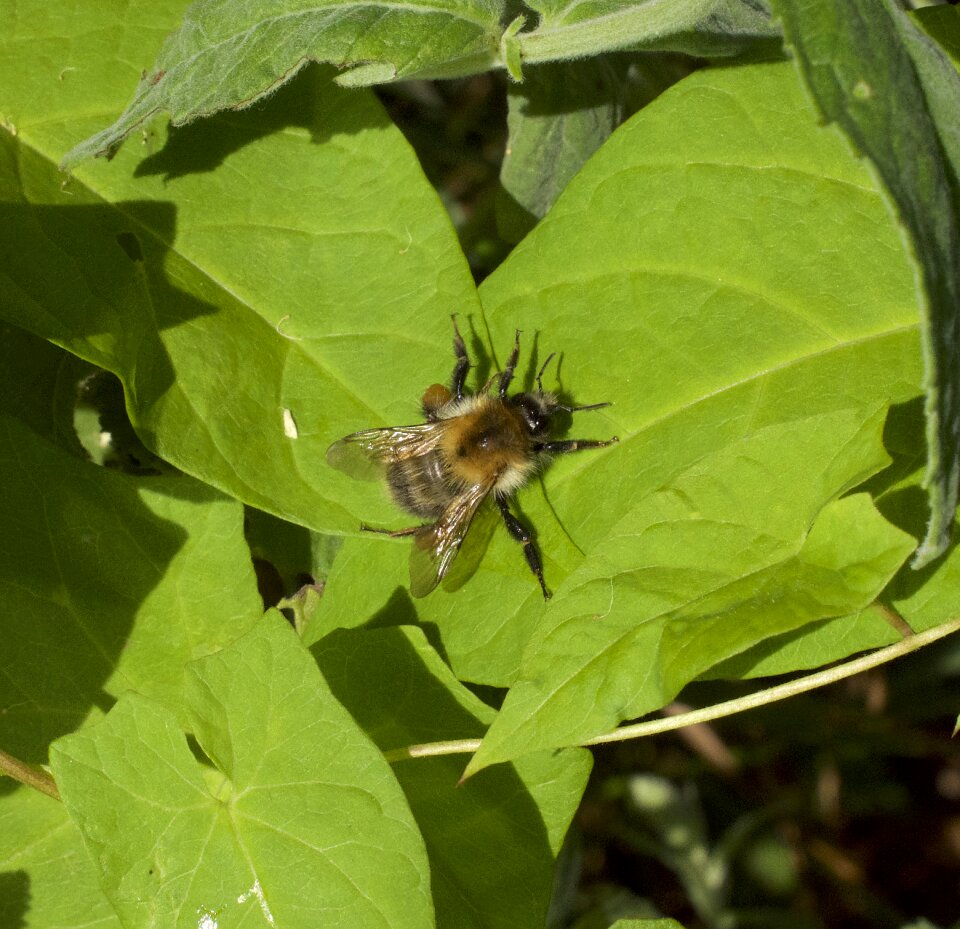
(696, 27)
(894, 92)
(228, 54)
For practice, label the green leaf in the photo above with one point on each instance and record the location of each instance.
(942, 23)
(923, 598)
(227, 54)
(894, 92)
(302, 823)
(109, 582)
(559, 116)
(696, 27)
(38, 384)
(721, 265)
(492, 842)
(646, 924)
(736, 549)
(46, 878)
(247, 310)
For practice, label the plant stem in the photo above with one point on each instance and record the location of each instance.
(27, 774)
(782, 691)
(761, 698)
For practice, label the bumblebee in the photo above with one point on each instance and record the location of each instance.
(472, 446)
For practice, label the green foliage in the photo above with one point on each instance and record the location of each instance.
(264, 268)
(895, 93)
(256, 832)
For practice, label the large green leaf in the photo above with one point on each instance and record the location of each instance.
(895, 92)
(248, 310)
(721, 265)
(923, 597)
(492, 842)
(737, 548)
(46, 878)
(107, 582)
(301, 824)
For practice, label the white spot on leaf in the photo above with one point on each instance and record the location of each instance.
(257, 891)
(289, 425)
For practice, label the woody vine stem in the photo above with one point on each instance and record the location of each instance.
(41, 780)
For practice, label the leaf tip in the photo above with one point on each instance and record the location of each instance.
(510, 51)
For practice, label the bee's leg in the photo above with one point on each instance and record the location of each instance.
(507, 375)
(565, 446)
(519, 533)
(393, 533)
(462, 366)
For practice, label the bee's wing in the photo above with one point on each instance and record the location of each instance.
(435, 546)
(474, 547)
(365, 454)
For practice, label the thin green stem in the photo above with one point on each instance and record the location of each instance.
(782, 691)
(761, 698)
(27, 774)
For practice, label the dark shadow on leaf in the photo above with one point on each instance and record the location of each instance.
(84, 551)
(904, 437)
(85, 284)
(397, 611)
(14, 899)
(396, 697)
(479, 356)
(203, 145)
(400, 610)
(89, 552)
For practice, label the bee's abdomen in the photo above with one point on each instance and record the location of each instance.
(421, 485)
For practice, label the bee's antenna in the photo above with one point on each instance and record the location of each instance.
(542, 369)
(580, 409)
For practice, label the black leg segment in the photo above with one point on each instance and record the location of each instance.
(519, 533)
(507, 375)
(565, 446)
(462, 366)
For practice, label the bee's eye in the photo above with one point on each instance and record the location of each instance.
(535, 414)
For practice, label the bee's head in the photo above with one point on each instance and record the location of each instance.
(537, 409)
